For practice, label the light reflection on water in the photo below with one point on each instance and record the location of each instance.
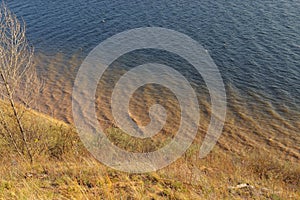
(255, 44)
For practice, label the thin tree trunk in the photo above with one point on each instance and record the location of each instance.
(20, 124)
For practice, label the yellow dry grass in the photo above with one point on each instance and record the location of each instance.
(66, 171)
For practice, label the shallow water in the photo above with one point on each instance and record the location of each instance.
(255, 44)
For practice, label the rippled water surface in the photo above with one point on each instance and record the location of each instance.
(255, 44)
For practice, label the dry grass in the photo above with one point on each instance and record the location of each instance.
(77, 177)
(64, 170)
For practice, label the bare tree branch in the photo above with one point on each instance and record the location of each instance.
(19, 83)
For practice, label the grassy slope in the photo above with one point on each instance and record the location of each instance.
(64, 170)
